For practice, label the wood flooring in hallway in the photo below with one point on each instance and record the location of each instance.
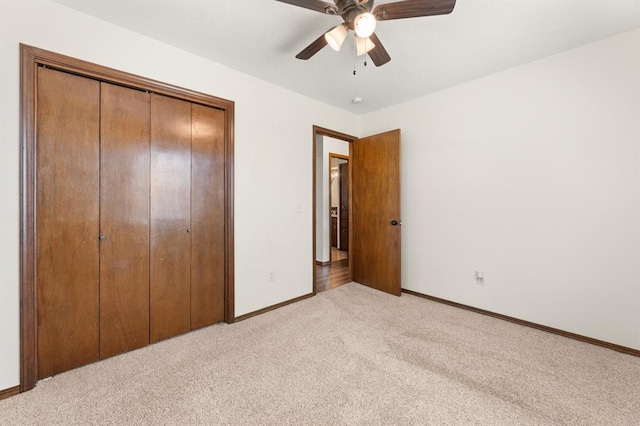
(335, 274)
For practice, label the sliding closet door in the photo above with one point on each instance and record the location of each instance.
(67, 188)
(124, 220)
(170, 217)
(207, 216)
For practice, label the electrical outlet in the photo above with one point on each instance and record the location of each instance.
(271, 277)
(479, 277)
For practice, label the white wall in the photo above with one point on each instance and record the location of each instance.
(532, 176)
(272, 154)
(329, 145)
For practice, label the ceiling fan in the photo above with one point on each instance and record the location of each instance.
(361, 17)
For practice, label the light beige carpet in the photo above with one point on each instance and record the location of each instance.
(347, 356)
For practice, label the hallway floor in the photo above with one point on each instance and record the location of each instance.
(335, 274)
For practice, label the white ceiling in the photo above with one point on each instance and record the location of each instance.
(262, 37)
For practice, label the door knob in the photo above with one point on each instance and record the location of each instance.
(394, 222)
(102, 237)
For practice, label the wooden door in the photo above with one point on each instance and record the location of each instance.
(375, 247)
(67, 253)
(124, 220)
(207, 216)
(170, 240)
(344, 206)
(334, 232)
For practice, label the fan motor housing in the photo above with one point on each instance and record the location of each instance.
(349, 9)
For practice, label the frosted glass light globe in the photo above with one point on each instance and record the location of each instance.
(364, 45)
(336, 36)
(365, 25)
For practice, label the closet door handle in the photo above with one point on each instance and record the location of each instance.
(102, 237)
(188, 230)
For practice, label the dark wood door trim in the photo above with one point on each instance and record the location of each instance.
(30, 59)
(322, 131)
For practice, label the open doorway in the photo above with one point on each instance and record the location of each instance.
(339, 207)
(332, 217)
(373, 209)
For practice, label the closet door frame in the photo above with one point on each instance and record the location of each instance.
(30, 59)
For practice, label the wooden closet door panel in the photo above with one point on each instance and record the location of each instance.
(170, 217)
(67, 191)
(207, 216)
(124, 220)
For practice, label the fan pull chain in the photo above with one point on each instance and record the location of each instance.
(365, 52)
(355, 56)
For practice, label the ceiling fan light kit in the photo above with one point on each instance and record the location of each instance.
(364, 25)
(336, 36)
(361, 16)
(364, 45)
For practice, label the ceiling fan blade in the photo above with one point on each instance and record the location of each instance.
(313, 48)
(317, 5)
(378, 54)
(413, 9)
